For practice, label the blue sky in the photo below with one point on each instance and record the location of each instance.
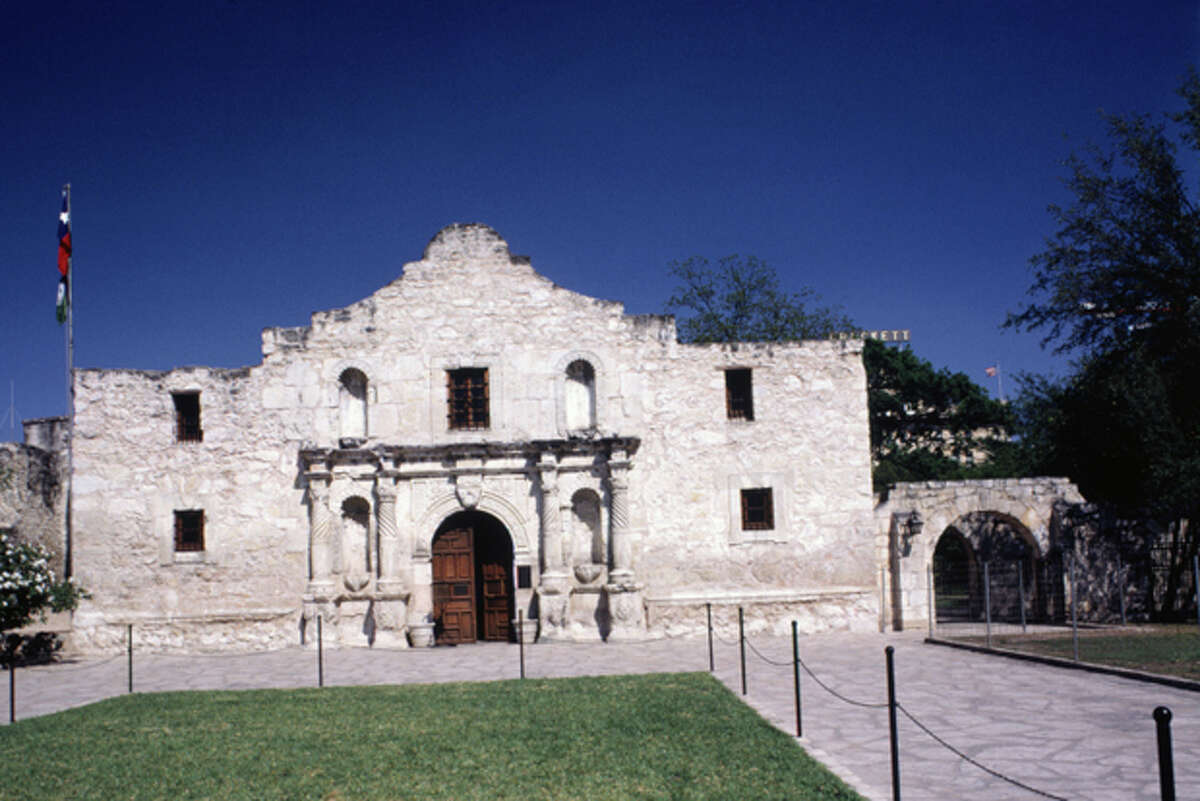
(237, 165)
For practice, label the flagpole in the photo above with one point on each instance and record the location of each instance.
(999, 379)
(67, 561)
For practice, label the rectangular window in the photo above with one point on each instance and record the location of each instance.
(758, 510)
(187, 416)
(189, 530)
(467, 398)
(739, 396)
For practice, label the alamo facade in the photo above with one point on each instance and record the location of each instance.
(471, 445)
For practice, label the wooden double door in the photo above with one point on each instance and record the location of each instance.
(472, 580)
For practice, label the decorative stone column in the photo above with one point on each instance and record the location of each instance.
(554, 587)
(390, 580)
(320, 537)
(618, 494)
(391, 608)
(627, 616)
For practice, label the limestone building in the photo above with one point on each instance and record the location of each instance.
(468, 443)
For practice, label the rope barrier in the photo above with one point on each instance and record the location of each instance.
(974, 762)
(765, 659)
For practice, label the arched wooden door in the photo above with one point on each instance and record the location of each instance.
(472, 580)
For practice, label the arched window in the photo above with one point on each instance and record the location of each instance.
(352, 404)
(579, 397)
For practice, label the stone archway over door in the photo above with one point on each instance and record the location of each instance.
(472, 579)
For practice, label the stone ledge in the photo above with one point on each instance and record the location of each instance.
(761, 596)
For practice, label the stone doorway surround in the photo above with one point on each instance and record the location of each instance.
(411, 490)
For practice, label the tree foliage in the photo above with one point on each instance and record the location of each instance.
(739, 300)
(929, 424)
(1119, 286)
(28, 587)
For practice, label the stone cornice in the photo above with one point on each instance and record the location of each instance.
(442, 453)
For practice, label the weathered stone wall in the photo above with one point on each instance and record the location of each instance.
(469, 303)
(32, 497)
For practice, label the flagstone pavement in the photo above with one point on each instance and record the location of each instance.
(1066, 733)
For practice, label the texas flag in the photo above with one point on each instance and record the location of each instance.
(64, 235)
(64, 258)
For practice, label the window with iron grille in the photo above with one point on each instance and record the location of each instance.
(739, 394)
(467, 398)
(187, 416)
(189, 530)
(758, 510)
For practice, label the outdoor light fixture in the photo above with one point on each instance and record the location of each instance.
(909, 528)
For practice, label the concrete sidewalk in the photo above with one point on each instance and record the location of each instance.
(1067, 733)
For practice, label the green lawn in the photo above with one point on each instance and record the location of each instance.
(671, 736)
(1172, 650)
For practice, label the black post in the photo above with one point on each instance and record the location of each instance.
(742, 646)
(1074, 613)
(1121, 586)
(1021, 591)
(987, 601)
(521, 638)
(796, 676)
(12, 687)
(320, 655)
(1196, 584)
(129, 650)
(1166, 763)
(711, 666)
(891, 682)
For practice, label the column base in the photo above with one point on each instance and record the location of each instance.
(626, 611)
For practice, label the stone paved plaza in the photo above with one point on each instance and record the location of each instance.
(1073, 734)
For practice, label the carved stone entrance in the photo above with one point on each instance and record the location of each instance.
(472, 579)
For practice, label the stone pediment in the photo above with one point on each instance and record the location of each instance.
(467, 287)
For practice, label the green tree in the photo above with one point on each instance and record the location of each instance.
(1118, 287)
(740, 300)
(28, 587)
(929, 424)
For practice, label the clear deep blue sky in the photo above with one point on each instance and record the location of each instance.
(237, 165)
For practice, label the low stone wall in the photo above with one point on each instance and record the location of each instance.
(855, 610)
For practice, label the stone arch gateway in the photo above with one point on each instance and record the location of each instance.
(1001, 520)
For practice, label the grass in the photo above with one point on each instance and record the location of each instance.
(1170, 650)
(670, 736)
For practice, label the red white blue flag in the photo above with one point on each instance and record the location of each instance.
(64, 258)
(64, 235)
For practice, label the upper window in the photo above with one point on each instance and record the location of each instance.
(739, 394)
(579, 396)
(189, 530)
(352, 404)
(467, 398)
(187, 416)
(758, 510)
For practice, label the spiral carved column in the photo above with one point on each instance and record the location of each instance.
(389, 536)
(626, 607)
(554, 588)
(320, 540)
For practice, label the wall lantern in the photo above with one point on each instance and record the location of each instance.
(910, 528)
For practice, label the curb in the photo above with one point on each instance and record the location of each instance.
(1054, 661)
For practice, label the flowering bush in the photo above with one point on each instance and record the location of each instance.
(28, 587)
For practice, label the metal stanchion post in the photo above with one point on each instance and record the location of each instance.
(1074, 613)
(521, 638)
(320, 655)
(1196, 585)
(891, 685)
(1021, 592)
(129, 650)
(987, 601)
(12, 688)
(796, 676)
(1121, 587)
(711, 665)
(742, 646)
(929, 597)
(1166, 762)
